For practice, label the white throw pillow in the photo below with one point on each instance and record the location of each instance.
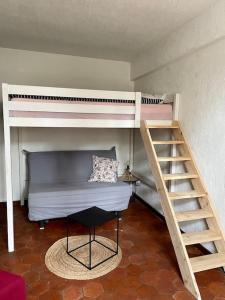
(104, 170)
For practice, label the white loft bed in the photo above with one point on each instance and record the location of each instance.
(33, 106)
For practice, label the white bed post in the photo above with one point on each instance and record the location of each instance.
(8, 169)
(22, 182)
(131, 148)
(173, 148)
(137, 109)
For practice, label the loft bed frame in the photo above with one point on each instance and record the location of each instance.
(34, 106)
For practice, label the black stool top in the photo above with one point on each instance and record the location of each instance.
(92, 216)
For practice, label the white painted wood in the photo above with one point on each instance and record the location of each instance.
(21, 165)
(65, 92)
(55, 122)
(131, 148)
(176, 103)
(138, 109)
(86, 123)
(8, 170)
(173, 164)
(72, 108)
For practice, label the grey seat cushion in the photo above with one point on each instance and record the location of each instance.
(47, 201)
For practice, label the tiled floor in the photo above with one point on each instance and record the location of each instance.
(148, 269)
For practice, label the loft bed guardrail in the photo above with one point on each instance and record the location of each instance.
(34, 106)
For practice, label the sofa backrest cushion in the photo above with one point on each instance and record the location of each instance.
(63, 166)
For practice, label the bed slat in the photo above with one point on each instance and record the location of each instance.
(54, 122)
(76, 108)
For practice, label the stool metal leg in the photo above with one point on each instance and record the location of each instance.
(67, 235)
(94, 234)
(117, 235)
(90, 248)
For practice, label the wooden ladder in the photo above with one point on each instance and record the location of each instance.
(188, 266)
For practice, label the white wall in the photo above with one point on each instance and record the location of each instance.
(195, 34)
(36, 68)
(200, 78)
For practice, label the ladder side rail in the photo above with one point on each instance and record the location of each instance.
(174, 230)
(204, 202)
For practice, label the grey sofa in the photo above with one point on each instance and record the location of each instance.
(58, 184)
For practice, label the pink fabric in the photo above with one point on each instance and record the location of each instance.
(12, 287)
(148, 111)
(37, 114)
(156, 112)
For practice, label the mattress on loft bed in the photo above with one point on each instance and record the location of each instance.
(148, 111)
(48, 201)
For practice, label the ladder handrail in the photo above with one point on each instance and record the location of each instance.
(179, 247)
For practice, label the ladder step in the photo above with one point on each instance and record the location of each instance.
(167, 142)
(204, 236)
(185, 195)
(176, 158)
(162, 126)
(193, 215)
(179, 176)
(207, 262)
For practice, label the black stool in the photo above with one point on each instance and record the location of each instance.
(90, 218)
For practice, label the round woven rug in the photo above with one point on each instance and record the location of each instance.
(63, 265)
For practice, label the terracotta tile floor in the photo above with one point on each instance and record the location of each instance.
(148, 269)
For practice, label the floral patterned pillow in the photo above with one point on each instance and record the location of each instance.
(104, 170)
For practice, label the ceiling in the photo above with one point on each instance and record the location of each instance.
(110, 29)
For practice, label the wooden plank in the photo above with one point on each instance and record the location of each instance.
(8, 170)
(192, 215)
(22, 164)
(176, 105)
(179, 247)
(65, 92)
(198, 237)
(131, 148)
(158, 126)
(170, 158)
(167, 142)
(55, 122)
(186, 195)
(180, 176)
(137, 109)
(162, 124)
(71, 108)
(207, 262)
(158, 122)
